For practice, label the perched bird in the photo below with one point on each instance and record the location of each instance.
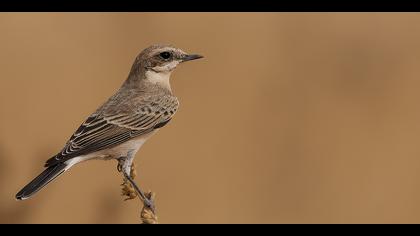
(118, 128)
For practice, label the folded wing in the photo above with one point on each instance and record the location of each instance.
(102, 131)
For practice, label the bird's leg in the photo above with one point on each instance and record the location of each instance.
(148, 202)
(130, 189)
(133, 172)
(127, 190)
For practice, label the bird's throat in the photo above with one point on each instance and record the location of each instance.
(159, 78)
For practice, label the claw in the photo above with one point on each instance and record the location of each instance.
(149, 204)
(148, 213)
(149, 201)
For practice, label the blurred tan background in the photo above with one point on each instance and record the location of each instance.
(290, 118)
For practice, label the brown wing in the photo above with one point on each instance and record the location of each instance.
(101, 131)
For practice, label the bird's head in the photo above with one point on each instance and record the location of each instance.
(162, 58)
(158, 61)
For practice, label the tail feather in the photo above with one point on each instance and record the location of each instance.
(41, 180)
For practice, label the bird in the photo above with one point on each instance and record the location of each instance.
(119, 127)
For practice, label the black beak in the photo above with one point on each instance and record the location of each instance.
(191, 57)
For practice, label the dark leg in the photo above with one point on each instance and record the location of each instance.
(146, 201)
(125, 165)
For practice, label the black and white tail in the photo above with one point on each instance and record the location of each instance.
(41, 180)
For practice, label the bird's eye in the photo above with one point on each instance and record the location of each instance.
(165, 55)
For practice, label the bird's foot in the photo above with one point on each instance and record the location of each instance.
(149, 201)
(133, 172)
(147, 214)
